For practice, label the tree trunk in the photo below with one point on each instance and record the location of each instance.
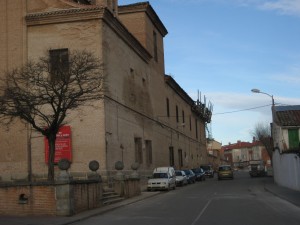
(51, 141)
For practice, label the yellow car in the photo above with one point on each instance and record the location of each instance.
(225, 171)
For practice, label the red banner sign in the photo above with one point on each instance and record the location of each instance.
(63, 149)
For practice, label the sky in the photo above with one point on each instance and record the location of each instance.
(225, 48)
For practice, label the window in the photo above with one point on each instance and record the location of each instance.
(138, 150)
(177, 116)
(196, 128)
(148, 144)
(293, 138)
(168, 108)
(155, 46)
(59, 64)
(180, 161)
(183, 120)
(190, 122)
(171, 155)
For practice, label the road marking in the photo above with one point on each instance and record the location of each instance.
(201, 213)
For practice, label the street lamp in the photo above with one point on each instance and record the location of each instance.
(258, 91)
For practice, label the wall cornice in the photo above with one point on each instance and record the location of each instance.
(64, 15)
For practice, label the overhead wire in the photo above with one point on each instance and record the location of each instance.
(241, 110)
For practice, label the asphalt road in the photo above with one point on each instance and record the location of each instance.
(242, 201)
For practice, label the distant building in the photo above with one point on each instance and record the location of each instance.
(215, 156)
(145, 116)
(239, 154)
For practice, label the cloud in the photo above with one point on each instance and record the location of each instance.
(295, 80)
(287, 7)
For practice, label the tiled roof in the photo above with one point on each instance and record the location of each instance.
(240, 145)
(288, 115)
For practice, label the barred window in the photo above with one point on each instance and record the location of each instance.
(59, 63)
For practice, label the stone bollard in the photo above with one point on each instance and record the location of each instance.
(94, 166)
(119, 178)
(133, 185)
(135, 174)
(64, 191)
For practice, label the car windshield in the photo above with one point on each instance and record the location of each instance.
(187, 172)
(224, 168)
(205, 167)
(160, 175)
(178, 173)
(196, 170)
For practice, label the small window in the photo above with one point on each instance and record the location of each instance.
(59, 64)
(138, 150)
(168, 107)
(148, 144)
(171, 155)
(155, 46)
(183, 120)
(180, 160)
(177, 116)
(196, 128)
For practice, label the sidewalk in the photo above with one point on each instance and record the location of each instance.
(48, 220)
(287, 194)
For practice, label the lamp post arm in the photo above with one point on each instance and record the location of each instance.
(269, 96)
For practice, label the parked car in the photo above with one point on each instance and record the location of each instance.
(181, 178)
(199, 173)
(191, 176)
(225, 171)
(163, 178)
(209, 171)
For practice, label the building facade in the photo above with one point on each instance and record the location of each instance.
(285, 128)
(144, 117)
(241, 153)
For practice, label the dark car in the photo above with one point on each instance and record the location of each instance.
(199, 173)
(190, 175)
(209, 171)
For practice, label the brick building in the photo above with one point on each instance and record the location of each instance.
(145, 116)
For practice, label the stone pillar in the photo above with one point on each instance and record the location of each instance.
(119, 178)
(64, 191)
(94, 166)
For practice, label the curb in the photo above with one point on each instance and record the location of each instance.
(281, 196)
(109, 208)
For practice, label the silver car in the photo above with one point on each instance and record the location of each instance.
(181, 178)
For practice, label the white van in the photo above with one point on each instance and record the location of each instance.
(163, 178)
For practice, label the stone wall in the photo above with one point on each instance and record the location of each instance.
(62, 199)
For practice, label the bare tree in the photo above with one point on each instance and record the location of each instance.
(262, 132)
(43, 92)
